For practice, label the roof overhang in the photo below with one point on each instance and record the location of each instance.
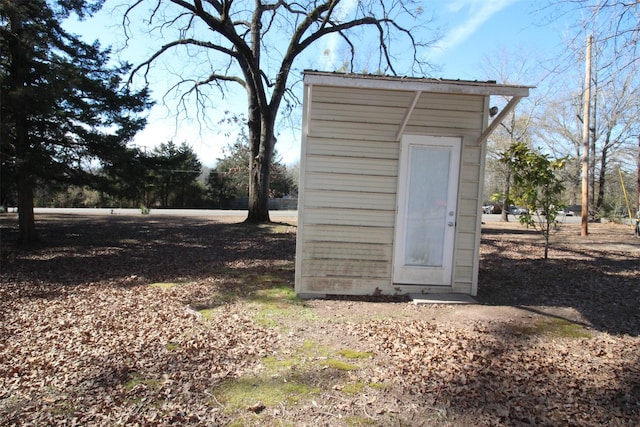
(420, 85)
(414, 84)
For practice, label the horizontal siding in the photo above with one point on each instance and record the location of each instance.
(373, 131)
(451, 102)
(464, 256)
(353, 148)
(460, 112)
(346, 268)
(362, 114)
(467, 224)
(350, 182)
(470, 172)
(465, 240)
(463, 274)
(354, 166)
(468, 208)
(360, 97)
(461, 288)
(346, 251)
(342, 285)
(469, 190)
(357, 217)
(348, 234)
(447, 119)
(471, 155)
(350, 200)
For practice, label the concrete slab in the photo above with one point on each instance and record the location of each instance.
(442, 299)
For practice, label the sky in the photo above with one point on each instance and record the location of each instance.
(473, 32)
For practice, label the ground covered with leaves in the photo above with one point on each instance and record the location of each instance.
(167, 320)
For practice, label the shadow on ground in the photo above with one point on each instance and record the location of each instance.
(601, 281)
(133, 250)
(602, 284)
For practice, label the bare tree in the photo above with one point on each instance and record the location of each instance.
(254, 45)
(511, 68)
(617, 124)
(613, 131)
(559, 129)
(615, 26)
(615, 23)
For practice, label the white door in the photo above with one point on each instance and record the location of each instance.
(426, 221)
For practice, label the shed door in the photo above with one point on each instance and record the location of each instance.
(426, 221)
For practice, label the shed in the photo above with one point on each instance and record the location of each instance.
(391, 175)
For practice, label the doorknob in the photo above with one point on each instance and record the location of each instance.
(450, 224)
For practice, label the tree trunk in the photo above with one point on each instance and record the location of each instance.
(601, 180)
(262, 141)
(504, 215)
(26, 220)
(547, 234)
(260, 162)
(18, 86)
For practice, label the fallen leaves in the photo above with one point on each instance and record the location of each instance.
(510, 378)
(93, 352)
(139, 321)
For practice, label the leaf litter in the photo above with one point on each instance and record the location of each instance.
(100, 326)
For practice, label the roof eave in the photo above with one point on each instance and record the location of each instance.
(413, 84)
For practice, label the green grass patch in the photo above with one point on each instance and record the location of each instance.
(165, 285)
(290, 380)
(561, 328)
(277, 303)
(353, 354)
(354, 388)
(172, 346)
(271, 306)
(304, 358)
(207, 313)
(248, 392)
(340, 365)
(274, 365)
(278, 295)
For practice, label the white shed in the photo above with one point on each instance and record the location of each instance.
(391, 175)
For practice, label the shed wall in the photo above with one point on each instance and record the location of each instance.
(349, 165)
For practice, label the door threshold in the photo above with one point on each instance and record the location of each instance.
(442, 299)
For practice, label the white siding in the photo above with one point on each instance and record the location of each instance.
(349, 180)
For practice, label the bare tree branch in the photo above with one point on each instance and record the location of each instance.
(251, 39)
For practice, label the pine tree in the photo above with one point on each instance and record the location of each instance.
(63, 109)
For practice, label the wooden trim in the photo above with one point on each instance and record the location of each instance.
(499, 118)
(407, 115)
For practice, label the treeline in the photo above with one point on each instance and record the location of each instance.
(168, 176)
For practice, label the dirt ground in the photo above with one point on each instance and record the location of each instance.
(118, 320)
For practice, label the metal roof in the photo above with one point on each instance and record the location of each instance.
(422, 84)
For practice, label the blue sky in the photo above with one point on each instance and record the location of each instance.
(477, 29)
(472, 31)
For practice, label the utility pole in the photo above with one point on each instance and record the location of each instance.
(585, 140)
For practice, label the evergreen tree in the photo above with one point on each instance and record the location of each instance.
(174, 173)
(63, 109)
(230, 178)
(536, 187)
